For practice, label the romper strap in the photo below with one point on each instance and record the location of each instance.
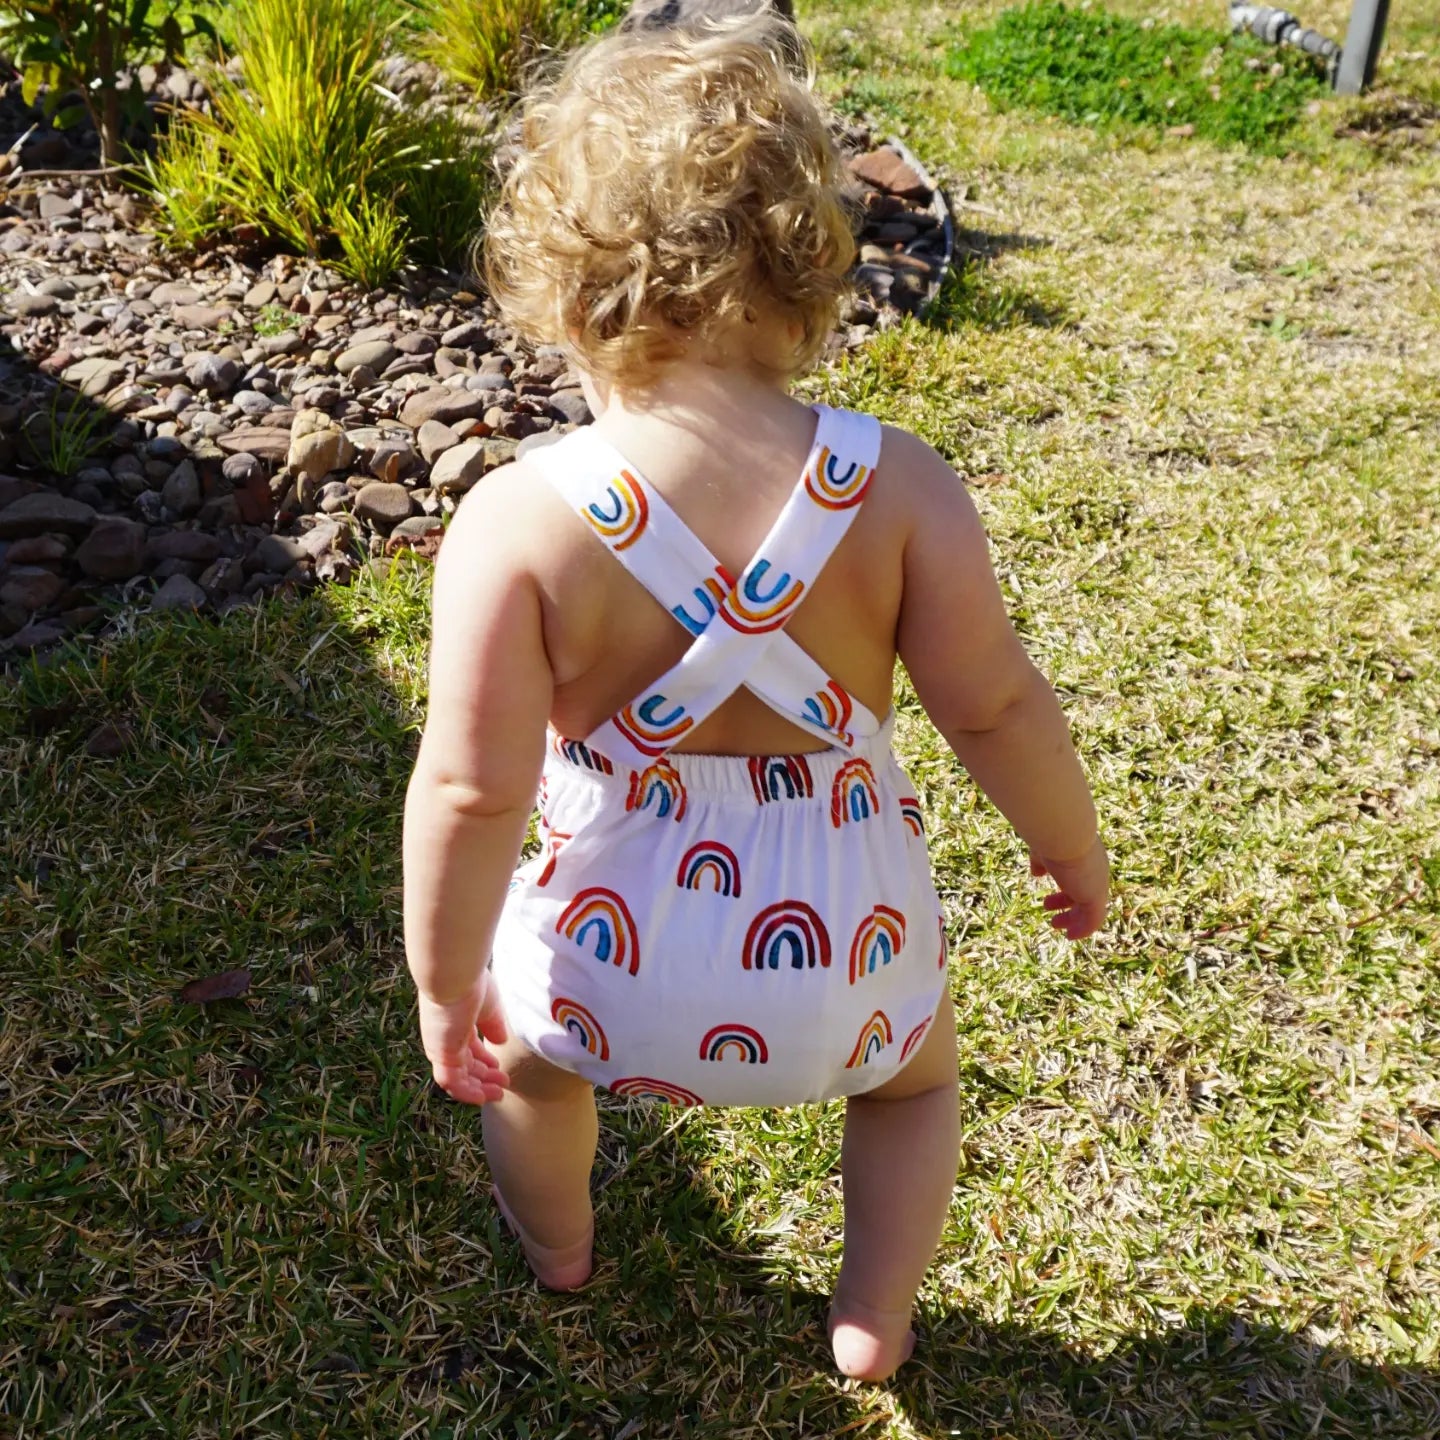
(739, 624)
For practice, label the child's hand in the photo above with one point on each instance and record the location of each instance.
(1084, 888)
(462, 1063)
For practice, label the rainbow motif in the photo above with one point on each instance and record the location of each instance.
(747, 1044)
(853, 795)
(911, 814)
(709, 597)
(789, 927)
(712, 861)
(622, 519)
(944, 946)
(642, 1087)
(755, 609)
(578, 753)
(554, 839)
(877, 942)
(777, 777)
(914, 1038)
(599, 920)
(875, 1035)
(836, 492)
(659, 784)
(654, 724)
(581, 1024)
(831, 709)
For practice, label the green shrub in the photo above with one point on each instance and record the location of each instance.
(486, 44)
(308, 148)
(1094, 68)
(79, 48)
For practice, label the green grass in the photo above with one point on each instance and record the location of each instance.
(1199, 395)
(1097, 68)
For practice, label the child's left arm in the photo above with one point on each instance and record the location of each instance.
(473, 787)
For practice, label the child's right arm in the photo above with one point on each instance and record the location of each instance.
(984, 695)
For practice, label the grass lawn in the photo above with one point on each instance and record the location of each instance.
(1199, 396)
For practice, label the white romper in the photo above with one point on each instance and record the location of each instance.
(733, 930)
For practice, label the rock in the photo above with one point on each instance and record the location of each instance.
(38, 550)
(362, 377)
(94, 376)
(537, 441)
(252, 403)
(267, 442)
(416, 527)
(257, 297)
(446, 406)
(885, 170)
(42, 511)
(277, 553)
(31, 307)
(175, 292)
(323, 537)
(181, 492)
(195, 546)
(287, 342)
(179, 592)
(113, 550)
(35, 635)
(238, 469)
(382, 504)
(318, 453)
(335, 567)
(202, 317)
(335, 497)
(571, 407)
(224, 577)
(392, 459)
(416, 342)
(30, 587)
(59, 207)
(471, 335)
(488, 382)
(434, 439)
(377, 354)
(214, 374)
(458, 469)
(62, 287)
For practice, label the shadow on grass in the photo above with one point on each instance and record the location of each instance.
(975, 295)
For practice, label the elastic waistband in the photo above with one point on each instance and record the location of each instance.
(760, 778)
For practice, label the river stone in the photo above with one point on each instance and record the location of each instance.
(571, 406)
(383, 504)
(434, 439)
(277, 553)
(42, 511)
(471, 335)
(30, 587)
(32, 307)
(176, 292)
(179, 592)
(113, 550)
(320, 452)
(376, 354)
(215, 374)
(446, 406)
(458, 469)
(181, 492)
(267, 442)
(94, 376)
(202, 317)
(196, 546)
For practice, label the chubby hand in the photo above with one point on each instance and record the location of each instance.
(1084, 890)
(454, 1037)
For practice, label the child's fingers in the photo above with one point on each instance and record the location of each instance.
(1037, 866)
(1058, 901)
(474, 1080)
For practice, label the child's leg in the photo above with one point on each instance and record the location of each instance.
(898, 1163)
(540, 1145)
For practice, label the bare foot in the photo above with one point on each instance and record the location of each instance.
(869, 1344)
(564, 1267)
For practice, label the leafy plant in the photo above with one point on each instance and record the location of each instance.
(486, 44)
(63, 435)
(273, 320)
(79, 50)
(305, 146)
(1095, 68)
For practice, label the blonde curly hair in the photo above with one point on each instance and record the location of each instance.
(670, 185)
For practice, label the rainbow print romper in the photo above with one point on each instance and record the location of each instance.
(733, 930)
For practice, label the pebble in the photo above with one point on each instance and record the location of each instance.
(215, 374)
(446, 406)
(42, 511)
(94, 376)
(181, 491)
(318, 452)
(30, 587)
(32, 307)
(434, 439)
(179, 592)
(277, 553)
(199, 547)
(374, 354)
(383, 504)
(113, 550)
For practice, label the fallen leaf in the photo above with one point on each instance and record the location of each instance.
(993, 477)
(109, 740)
(227, 985)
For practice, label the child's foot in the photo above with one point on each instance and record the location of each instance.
(565, 1267)
(869, 1344)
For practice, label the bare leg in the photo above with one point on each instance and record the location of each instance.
(898, 1163)
(540, 1145)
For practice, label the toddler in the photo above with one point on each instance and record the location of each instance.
(688, 652)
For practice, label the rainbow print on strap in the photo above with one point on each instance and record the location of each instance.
(853, 795)
(944, 946)
(709, 597)
(643, 1087)
(831, 709)
(914, 1038)
(826, 486)
(710, 864)
(621, 519)
(790, 928)
(654, 724)
(875, 1035)
(740, 1040)
(780, 777)
(599, 920)
(912, 815)
(755, 607)
(879, 939)
(581, 1024)
(659, 785)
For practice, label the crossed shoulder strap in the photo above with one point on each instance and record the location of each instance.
(738, 623)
